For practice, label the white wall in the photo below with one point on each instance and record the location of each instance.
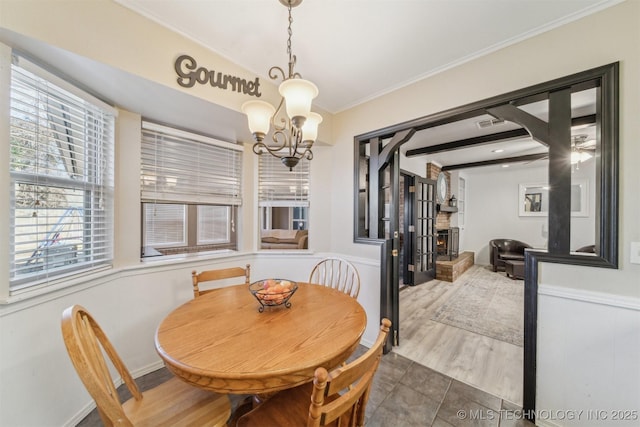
(594, 355)
(492, 210)
(129, 304)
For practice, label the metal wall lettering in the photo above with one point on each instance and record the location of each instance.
(189, 74)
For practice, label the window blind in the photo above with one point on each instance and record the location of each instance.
(181, 167)
(213, 224)
(165, 224)
(278, 186)
(61, 167)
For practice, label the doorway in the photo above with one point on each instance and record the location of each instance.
(546, 114)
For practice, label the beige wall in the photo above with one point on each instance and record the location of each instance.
(112, 34)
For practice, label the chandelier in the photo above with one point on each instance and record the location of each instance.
(294, 132)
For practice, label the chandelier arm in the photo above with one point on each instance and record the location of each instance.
(280, 139)
(262, 148)
(273, 73)
(308, 154)
(285, 122)
(296, 141)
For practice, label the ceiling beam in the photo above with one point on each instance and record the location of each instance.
(464, 143)
(489, 139)
(518, 159)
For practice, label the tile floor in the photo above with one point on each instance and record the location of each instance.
(404, 394)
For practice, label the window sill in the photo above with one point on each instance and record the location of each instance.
(193, 256)
(29, 297)
(61, 285)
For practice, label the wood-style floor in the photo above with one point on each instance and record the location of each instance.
(485, 363)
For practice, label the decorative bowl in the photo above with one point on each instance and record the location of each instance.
(273, 292)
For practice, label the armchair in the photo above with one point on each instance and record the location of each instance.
(502, 250)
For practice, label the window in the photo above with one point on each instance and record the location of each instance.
(61, 168)
(190, 188)
(283, 194)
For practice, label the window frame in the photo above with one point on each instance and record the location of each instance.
(196, 146)
(290, 193)
(81, 129)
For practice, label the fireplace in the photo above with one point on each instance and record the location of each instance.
(447, 243)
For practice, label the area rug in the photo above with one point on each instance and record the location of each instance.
(486, 303)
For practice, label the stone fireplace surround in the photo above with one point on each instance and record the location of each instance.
(448, 268)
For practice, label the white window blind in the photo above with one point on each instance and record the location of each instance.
(213, 224)
(166, 224)
(181, 167)
(61, 166)
(280, 187)
(190, 189)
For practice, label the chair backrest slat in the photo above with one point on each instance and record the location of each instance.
(219, 274)
(337, 273)
(95, 359)
(86, 342)
(353, 381)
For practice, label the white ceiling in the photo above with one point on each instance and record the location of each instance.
(356, 50)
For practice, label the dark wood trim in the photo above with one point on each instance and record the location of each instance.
(464, 143)
(607, 166)
(530, 343)
(389, 150)
(538, 129)
(559, 219)
(386, 266)
(374, 187)
(532, 259)
(517, 159)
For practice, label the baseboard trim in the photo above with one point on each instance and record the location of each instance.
(91, 405)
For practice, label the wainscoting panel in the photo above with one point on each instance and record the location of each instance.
(587, 362)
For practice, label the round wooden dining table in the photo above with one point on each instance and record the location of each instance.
(221, 342)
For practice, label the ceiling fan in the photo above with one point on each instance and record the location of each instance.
(582, 149)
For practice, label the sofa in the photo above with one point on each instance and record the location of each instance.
(284, 239)
(502, 250)
(590, 249)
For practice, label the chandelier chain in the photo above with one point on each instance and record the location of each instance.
(290, 32)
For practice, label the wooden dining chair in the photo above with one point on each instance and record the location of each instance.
(172, 403)
(219, 274)
(337, 273)
(336, 398)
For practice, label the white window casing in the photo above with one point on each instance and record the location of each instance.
(61, 178)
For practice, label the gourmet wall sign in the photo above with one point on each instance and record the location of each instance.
(189, 73)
